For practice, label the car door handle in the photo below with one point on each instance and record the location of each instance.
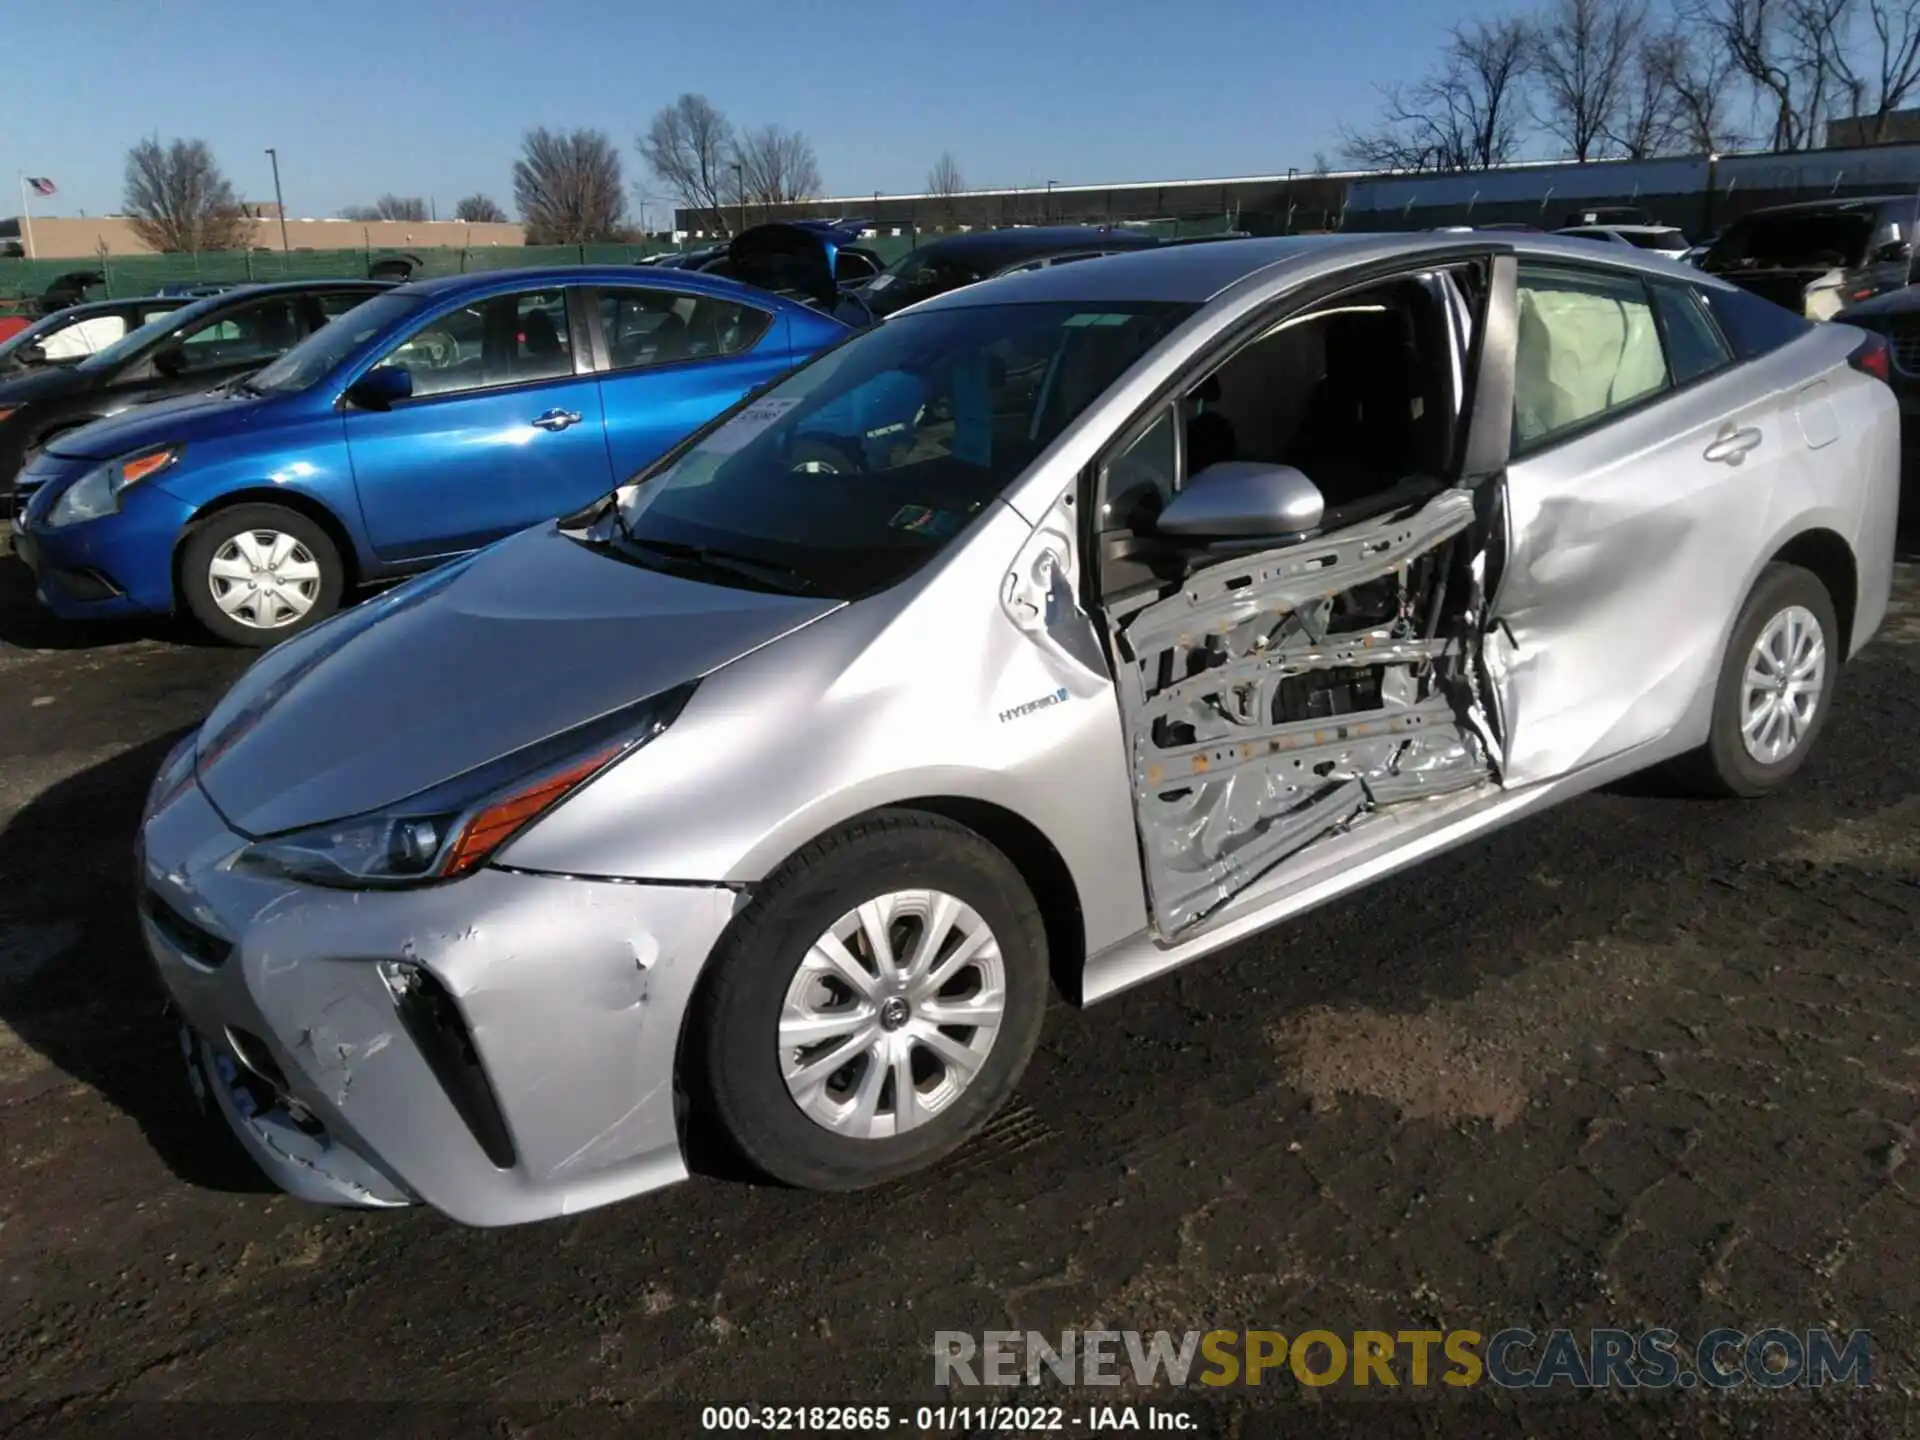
(557, 419)
(1732, 445)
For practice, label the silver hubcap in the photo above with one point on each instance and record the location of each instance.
(891, 1014)
(1785, 676)
(264, 579)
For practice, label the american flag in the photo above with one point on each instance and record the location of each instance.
(41, 185)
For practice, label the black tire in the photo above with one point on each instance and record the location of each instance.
(211, 535)
(1723, 766)
(732, 1057)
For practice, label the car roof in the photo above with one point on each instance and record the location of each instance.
(1619, 229)
(996, 246)
(1195, 274)
(103, 307)
(658, 277)
(1838, 206)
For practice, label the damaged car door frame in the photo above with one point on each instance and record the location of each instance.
(1336, 802)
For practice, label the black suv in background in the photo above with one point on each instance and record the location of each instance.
(1817, 259)
(192, 350)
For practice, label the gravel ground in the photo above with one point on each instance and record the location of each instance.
(1640, 1062)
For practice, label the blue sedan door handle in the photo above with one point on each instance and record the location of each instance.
(558, 419)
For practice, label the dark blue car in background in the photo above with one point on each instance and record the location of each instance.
(422, 424)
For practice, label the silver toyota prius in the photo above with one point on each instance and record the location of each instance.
(1049, 636)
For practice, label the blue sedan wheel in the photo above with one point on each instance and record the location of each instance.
(256, 574)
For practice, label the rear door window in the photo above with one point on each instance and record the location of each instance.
(1694, 345)
(1587, 346)
(644, 328)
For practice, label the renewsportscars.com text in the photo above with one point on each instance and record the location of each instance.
(1512, 1358)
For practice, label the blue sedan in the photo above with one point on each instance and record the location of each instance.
(420, 425)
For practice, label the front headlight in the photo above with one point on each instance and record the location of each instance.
(97, 492)
(453, 828)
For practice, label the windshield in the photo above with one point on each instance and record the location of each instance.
(1794, 242)
(1655, 239)
(850, 474)
(915, 277)
(317, 356)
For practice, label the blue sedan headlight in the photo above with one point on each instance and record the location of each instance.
(97, 492)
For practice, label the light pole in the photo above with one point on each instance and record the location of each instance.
(1049, 210)
(740, 189)
(278, 203)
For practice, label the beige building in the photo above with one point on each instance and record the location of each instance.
(58, 238)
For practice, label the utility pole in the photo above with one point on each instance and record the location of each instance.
(1049, 211)
(740, 189)
(278, 203)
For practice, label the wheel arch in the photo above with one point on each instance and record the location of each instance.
(300, 503)
(1830, 559)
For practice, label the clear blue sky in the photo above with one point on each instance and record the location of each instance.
(430, 97)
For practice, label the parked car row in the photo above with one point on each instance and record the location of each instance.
(296, 459)
(1065, 627)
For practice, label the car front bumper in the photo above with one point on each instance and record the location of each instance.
(118, 565)
(536, 1077)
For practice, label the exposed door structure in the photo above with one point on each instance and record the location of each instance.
(1284, 693)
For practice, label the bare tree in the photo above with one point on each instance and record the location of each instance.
(478, 209)
(176, 199)
(1464, 116)
(1646, 120)
(388, 207)
(1791, 53)
(568, 187)
(1702, 81)
(944, 178)
(777, 166)
(1584, 63)
(1894, 71)
(689, 147)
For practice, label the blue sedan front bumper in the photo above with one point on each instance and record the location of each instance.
(118, 565)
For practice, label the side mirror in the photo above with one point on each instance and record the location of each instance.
(1894, 252)
(33, 354)
(381, 388)
(1243, 499)
(170, 360)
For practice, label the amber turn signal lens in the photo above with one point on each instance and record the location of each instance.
(144, 465)
(491, 828)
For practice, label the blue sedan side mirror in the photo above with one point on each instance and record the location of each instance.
(381, 388)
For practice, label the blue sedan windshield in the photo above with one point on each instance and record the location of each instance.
(847, 476)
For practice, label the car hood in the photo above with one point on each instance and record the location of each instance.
(531, 637)
(165, 422)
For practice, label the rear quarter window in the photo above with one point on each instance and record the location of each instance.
(1753, 326)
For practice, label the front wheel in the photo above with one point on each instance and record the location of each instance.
(257, 574)
(1775, 686)
(874, 1007)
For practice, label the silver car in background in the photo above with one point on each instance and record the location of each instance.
(1057, 632)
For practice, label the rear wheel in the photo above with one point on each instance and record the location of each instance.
(1775, 686)
(875, 1006)
(256, 574)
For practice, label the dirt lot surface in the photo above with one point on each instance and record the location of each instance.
(1641, 1062)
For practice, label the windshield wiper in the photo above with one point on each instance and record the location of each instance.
(767, 572)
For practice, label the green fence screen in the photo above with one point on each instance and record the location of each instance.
(23, 280)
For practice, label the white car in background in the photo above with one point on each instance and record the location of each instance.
(1660, 239)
